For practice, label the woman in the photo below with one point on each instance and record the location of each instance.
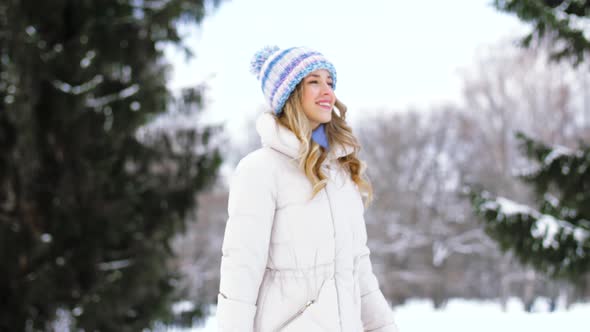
(294, 253)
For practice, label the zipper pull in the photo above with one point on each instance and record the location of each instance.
(292, 318)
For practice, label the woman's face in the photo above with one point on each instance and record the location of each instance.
(317, 97)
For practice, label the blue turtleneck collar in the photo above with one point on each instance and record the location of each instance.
(319, 136)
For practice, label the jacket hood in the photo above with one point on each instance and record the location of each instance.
(283, 140)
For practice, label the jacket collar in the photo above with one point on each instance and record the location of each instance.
(283, 140)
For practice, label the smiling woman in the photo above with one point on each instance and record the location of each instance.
(317, 97)
(295, 255)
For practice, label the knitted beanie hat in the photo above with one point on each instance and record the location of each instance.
(279, 71)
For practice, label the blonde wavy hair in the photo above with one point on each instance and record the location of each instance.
(312, 155)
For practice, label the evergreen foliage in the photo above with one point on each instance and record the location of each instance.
(87, 208)
(554, 237)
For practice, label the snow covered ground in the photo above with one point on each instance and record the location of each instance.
(469, 316)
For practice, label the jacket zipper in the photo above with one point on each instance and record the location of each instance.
(302, 310)
(297, 314)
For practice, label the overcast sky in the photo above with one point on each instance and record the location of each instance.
(389, 54)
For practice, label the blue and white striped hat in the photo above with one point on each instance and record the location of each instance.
(279, 71)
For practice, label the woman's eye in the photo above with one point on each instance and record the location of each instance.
(330, 84)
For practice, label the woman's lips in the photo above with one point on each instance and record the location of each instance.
(325, 105)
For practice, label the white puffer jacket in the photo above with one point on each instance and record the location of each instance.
(291, 263)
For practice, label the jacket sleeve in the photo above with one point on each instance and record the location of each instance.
(251, 207)
(376, 313)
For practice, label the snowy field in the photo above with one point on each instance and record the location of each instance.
(469, 316)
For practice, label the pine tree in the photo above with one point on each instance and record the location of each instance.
(564, 21)
(554, 236)
(87, 207)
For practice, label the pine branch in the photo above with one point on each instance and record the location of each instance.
(557, 247)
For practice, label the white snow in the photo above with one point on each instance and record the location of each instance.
(509, 207)
(105, 100)
(557, 152)
(114, 265)
(554, 201)
(182, 306)
(78, 89)
(46, 238)
(547, 228)
(466, 316)
(87, 60)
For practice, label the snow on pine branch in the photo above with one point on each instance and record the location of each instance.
(78, 89)
(546, 227)
(100, 102)
(556, 152)
(574, 22)
(93, 102)
(115, 265)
